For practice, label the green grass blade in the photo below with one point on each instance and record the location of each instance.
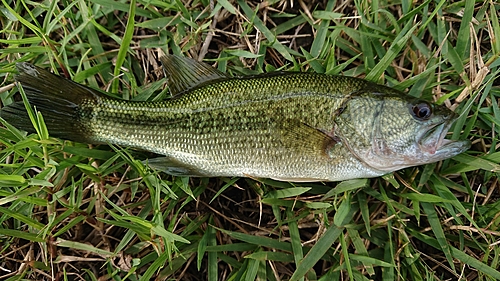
(320, 248)
(125, 46)
(262, 27)
(22, 234)
(438, 231)
(212, 256)
(392, 52)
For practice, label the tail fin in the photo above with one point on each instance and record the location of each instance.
(57, 98)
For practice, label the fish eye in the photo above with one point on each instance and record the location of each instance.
(422, 110)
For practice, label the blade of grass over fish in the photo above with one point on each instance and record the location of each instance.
(31, 113)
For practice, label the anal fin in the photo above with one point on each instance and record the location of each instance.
(173, 167)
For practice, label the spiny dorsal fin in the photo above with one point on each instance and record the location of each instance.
(184, 73)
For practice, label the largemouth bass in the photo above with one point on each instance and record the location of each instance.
(284, 126)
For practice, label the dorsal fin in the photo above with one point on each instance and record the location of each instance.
(184, 73)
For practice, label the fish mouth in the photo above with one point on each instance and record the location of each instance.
(433, 141)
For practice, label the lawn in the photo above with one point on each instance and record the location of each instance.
(75, 211)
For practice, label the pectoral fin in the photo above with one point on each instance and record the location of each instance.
(305, 140)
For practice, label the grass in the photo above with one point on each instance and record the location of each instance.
(72, 211)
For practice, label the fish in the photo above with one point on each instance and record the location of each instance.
(287, 126)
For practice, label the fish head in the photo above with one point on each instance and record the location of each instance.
(388, 132)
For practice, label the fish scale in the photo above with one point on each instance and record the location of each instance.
(285, 126)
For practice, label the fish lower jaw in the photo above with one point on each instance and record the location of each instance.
(450, 148)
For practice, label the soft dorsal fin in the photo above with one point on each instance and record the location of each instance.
(184, 73)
